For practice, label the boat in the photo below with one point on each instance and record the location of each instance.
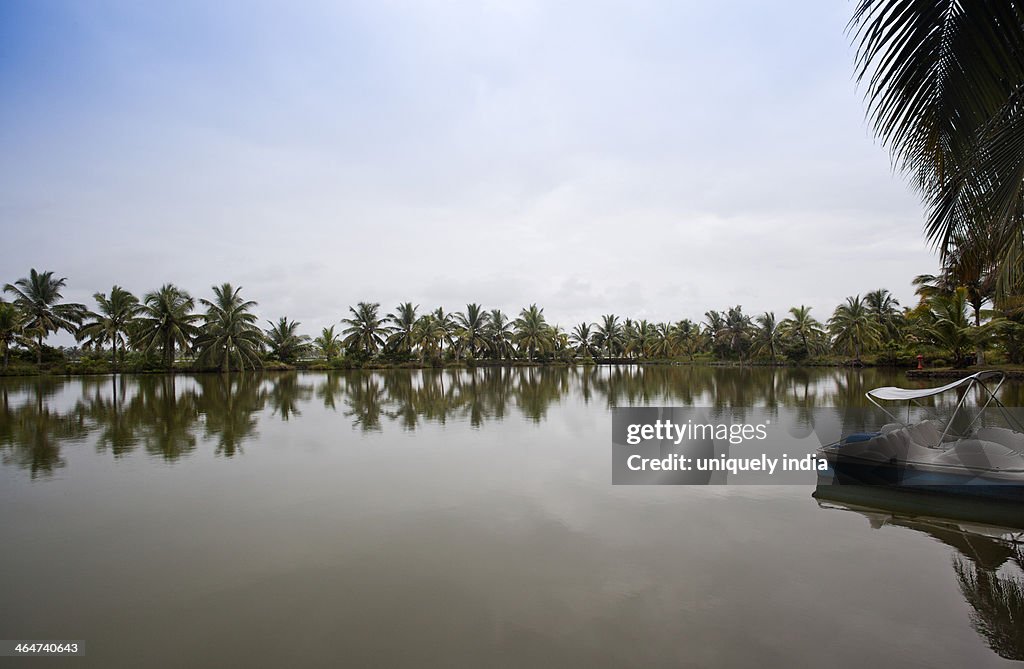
(961, 457)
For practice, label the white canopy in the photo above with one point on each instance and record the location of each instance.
(895, 394)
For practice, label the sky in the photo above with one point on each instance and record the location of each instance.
(652, 159)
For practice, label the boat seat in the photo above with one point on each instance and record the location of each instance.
(979, 454)
(1001, 435)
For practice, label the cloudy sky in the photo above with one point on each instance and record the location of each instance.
(652, 159)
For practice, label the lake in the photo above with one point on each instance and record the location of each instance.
(458, 518)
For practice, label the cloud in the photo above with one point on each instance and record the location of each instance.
(653, 160)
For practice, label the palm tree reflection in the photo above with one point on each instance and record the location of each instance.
(168, 416)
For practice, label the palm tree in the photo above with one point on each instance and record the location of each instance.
(608, 335)
(803, 326)
(38, 298)
(685, 336)
(945, 85)
(472, 326)
(499, 334)
(639, 338)
(403, 321)
(737, 329)
(445, 324)
(365, 329)
(853, 329)
(284, 342)
(11, 330)
(927, 285)
(229, 335)
(663, 344)
(714, 328)
(948, 327)
(328, 344)
(767, 336)
(112, 323)
(532, 333)
(429, 335)
(582, 338)
(165, 321)
(884, 309)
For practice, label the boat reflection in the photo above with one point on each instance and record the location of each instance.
(988, 542)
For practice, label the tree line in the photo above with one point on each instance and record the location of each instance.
(222, 332)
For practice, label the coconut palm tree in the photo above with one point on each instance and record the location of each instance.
(445, 324)
(559, 340)
(884, 308)
(429, 335)
(532, 333)
(582, 339)
(11, 330)
(366, 330)
(328, 344)
(472, 326)
(945, 87)
(852, 327)
(38, 298)
(166, 321)
(639, 338)
(403, 322)
(229, 335)
(112, 322)
(663, 344)
(685, 336)
(714, 329)
(737, 328)
(608, 335)
(284, 341)
(767, 336)
(500, 335)
(926, 285)
(947, 326)
(804, 327)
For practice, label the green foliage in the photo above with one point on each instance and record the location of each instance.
(166, 322)
(944, 87)
(366, 330)
(112, 323)
(285, 343)
(229, 338)
(38, 298)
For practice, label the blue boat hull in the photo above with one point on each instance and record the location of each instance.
(900, 476)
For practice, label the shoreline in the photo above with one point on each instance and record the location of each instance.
(69, 370)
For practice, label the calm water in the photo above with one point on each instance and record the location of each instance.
(456, 519)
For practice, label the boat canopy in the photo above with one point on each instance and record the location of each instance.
(905, 394)
(977, 380)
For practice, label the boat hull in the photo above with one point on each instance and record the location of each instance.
(905, 477)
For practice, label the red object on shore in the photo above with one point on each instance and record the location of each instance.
(920, 361)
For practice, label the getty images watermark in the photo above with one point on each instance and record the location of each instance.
(711, 446)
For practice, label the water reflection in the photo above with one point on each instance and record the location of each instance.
(988, 558)
(499, 504)
(166, 415)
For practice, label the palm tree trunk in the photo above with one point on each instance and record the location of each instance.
(39, 349)
(979, 351)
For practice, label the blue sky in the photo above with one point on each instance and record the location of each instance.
(651, 159)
